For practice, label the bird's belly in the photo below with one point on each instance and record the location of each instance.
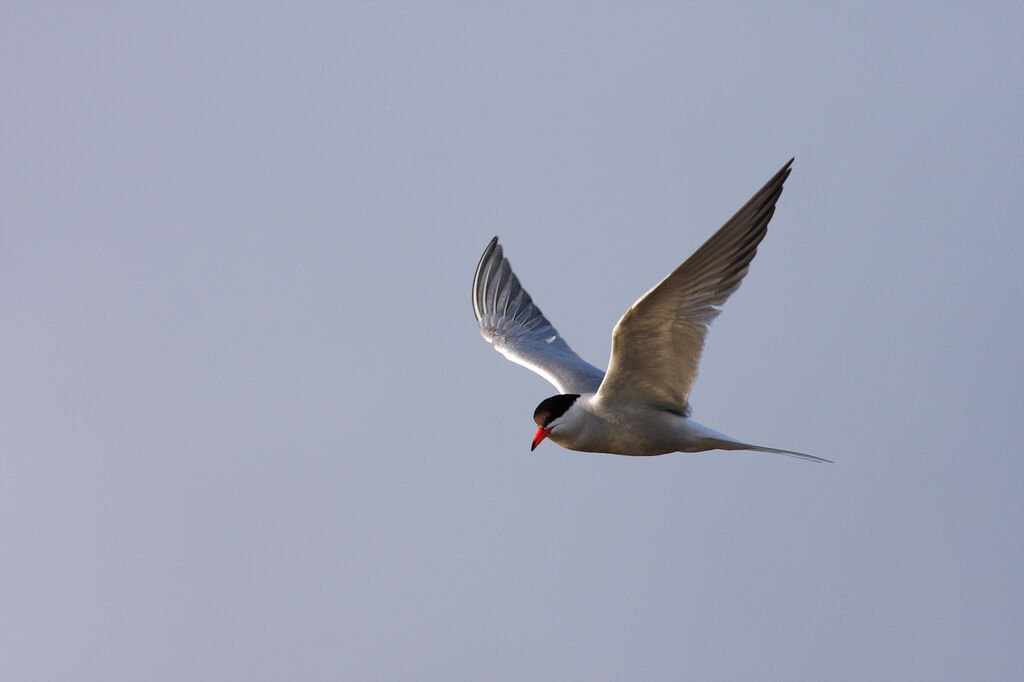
(642, 434)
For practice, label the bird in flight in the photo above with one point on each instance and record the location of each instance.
(640, 405)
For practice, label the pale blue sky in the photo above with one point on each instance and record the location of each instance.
(251, 430)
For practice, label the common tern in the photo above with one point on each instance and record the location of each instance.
(640, 405)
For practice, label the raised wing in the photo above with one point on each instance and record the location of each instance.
(518, 330)
(656, 346)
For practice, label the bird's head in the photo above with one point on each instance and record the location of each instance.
(549, 415)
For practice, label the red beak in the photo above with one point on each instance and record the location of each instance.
(542, 433)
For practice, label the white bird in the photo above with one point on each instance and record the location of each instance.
(640, 406)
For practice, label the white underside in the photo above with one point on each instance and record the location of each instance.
(595, 425)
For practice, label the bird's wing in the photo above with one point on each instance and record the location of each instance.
(656, 346)
(518, 330)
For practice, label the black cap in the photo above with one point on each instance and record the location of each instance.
(552, 408)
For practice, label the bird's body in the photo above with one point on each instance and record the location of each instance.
(594, 424)
(640, 406)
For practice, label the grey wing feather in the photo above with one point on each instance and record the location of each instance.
(517, 329)
(657, 345)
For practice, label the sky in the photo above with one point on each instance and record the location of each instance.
(251, 430)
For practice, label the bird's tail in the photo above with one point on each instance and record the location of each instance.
(735, 445)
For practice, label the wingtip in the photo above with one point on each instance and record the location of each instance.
(485, 259)
(786, 169)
